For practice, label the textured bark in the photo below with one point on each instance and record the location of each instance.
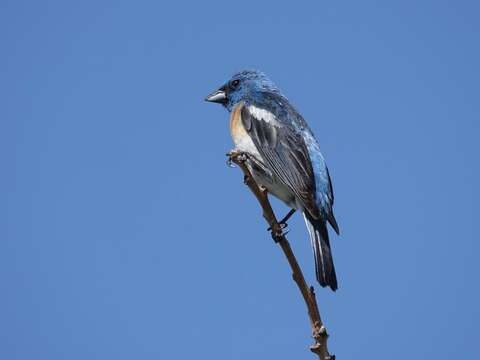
(319, 332)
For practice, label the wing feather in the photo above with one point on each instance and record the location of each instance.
(285, 154)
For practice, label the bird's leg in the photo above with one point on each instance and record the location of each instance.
(286, 217)
(283, 223)
(276, 230)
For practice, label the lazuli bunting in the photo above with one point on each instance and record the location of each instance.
(284, 157)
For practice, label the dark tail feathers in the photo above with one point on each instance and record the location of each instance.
(324, 267)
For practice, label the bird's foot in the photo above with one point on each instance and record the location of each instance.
(235, 156)
(277, 232)
(282, 224)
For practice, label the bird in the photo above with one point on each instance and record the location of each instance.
(284, 157)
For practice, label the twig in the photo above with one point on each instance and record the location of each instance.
(319, 332)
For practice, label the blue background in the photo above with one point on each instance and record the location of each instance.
(125, 236)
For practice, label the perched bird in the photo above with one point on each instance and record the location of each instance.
(284, 157)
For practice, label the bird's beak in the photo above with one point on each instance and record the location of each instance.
(218, 96)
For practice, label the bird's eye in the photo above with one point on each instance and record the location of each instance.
(235, 84)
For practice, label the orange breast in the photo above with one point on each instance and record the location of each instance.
(237, 130)
(240, 137)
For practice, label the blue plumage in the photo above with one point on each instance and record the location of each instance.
(286, 157)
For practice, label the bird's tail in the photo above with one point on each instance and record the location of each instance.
(321, 250)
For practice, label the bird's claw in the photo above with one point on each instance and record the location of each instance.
(230, 163)
(283, 225)
(278, 233)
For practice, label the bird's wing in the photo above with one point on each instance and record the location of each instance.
(284, 152)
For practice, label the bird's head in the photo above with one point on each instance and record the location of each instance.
(243, 86)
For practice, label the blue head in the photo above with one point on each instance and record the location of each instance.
(243, 86)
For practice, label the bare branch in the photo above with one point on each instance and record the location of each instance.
(319, 332)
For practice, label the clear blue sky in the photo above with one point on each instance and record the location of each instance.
(125, 236)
